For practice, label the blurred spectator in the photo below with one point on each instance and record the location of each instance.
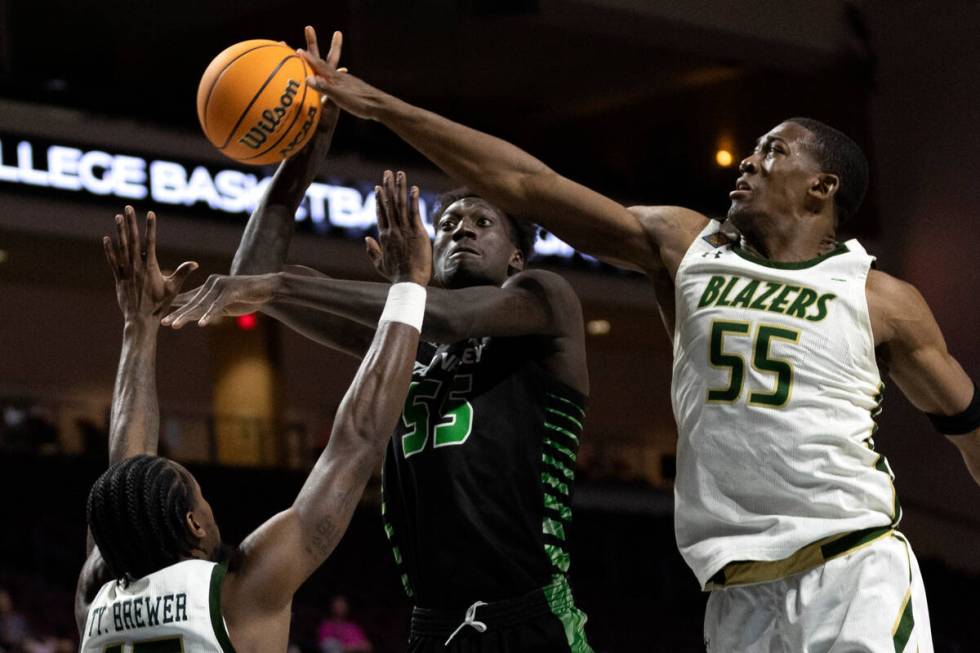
(13, 625)
(27, 428)
(49, 644)
(338, 634)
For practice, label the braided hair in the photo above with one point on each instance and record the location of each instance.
(136, 512)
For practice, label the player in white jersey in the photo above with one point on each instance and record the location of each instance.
(783, 509)
(158, 577)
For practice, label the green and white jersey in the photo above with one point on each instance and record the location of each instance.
(174, 610)
(775, 389)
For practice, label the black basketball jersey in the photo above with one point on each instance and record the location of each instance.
(478, 477)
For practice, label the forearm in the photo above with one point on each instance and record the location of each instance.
(969, 446)
(519, 183)
(135, 420)
(270, 229)
(448, 313)
(365, 420)
(333, 331)
(487, 164)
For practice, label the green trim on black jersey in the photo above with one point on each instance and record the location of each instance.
(796, 265)
(559, 448)
(562, 605)
(395, 551)
(214, 602)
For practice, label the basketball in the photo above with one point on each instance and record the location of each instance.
(253, 102)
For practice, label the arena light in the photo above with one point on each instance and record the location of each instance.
(598, 327)
(724, 158)
(247, 322)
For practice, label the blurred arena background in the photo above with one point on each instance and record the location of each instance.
(638, 99)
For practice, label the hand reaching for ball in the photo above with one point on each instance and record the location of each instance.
(347, 91)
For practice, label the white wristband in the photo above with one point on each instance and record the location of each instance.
(406, 304)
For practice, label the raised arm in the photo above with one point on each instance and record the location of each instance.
(504, 174)
(144, 294)
(919, 363)
(283, 552)
(270, 230)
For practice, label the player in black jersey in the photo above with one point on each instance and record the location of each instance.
(479, 474)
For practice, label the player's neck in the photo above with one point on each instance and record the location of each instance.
(790, 241)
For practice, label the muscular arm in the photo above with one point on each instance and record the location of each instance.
(284, 551)
(506, 175)
(269, 231)
(913, 346)
(525, 305)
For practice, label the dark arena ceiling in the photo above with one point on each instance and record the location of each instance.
(632, 98)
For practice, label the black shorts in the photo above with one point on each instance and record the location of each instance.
(544, 621)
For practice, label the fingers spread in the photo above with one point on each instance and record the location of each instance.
(133, 236)
(151, 239)
(191, 305)
(381, 206)
(110, 257)
(311, 43)
(401, 198)
(416, 214)
(122, 249)
(333, 56)
(373, 250)
(177, 279)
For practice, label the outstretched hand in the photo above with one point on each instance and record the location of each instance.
(221, 296)
(340, 87)
(403, 251)
(144, 293)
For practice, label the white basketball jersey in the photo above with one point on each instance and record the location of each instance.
(775, 389)
(176, 609)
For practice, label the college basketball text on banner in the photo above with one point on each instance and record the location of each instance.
(128, 177)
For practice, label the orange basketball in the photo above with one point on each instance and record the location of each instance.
(254, 104)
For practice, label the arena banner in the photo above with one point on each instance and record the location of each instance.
(334, 206)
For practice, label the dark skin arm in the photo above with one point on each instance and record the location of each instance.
(270, 229)
(282, 553)
(533, 302)
(144, 295)
(908, 338)
(517, 182)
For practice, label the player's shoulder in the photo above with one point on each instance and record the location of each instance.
(668, 220)
(671, 228)
(537, 278)
(895, 306)
(891, 293)
(541, 281)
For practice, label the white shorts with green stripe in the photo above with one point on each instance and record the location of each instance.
(869, 600)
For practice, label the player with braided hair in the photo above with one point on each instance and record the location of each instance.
(147, 496)
(157, 576)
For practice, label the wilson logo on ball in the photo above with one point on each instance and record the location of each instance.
(271, 118)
